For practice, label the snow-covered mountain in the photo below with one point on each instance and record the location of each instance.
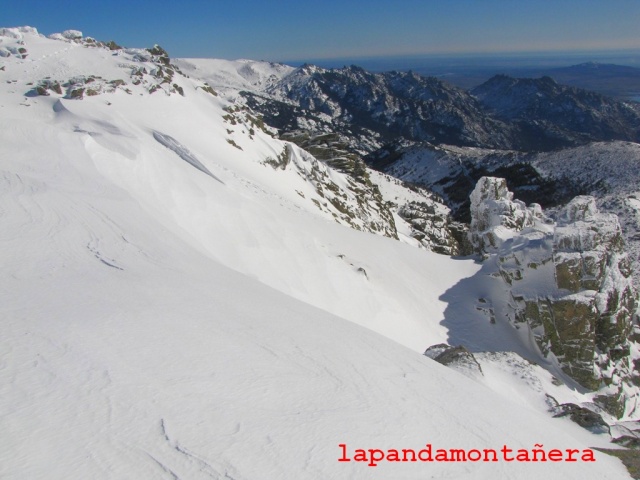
(373, 109)
(549, 115)
(232, 77)
(184, 295)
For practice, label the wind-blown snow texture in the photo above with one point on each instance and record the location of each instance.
(166, 321)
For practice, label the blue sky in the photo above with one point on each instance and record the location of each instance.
(299, 30)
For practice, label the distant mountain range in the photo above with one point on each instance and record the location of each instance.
(373, 109)
(549, 115)
(617, 81)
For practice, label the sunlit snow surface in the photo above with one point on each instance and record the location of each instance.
(173, 308)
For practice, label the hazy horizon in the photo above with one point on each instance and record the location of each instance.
(629, 58)
(295, 30)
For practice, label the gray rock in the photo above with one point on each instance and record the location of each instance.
(584, 417)
(458, 358)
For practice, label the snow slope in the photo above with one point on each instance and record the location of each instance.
(172, 307)
(232, 76)
(149, 144)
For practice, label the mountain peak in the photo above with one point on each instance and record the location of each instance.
(593, 65)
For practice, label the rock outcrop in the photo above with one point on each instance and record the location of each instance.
(495, 216)
(584, 417)
(568, 281)
(458, 358)
(434, 230)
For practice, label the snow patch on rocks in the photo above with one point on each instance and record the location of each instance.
(495, 216)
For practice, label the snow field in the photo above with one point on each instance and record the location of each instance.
(160, 322)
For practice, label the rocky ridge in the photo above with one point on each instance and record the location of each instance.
(391, 104)
(553, 116)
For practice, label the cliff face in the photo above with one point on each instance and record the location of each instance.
(569, 282)
(495, 216)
